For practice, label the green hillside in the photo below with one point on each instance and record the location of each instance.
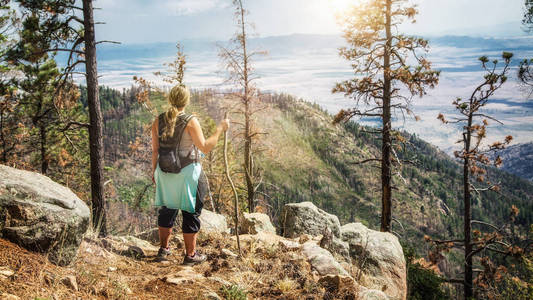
(304, 157)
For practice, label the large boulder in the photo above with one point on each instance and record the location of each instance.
(254, 223)
(213, 222)
(41, 215)
(380, 257)
(306, 218)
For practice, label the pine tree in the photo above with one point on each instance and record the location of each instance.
(52, 26)
(382, 59)
(475, 157)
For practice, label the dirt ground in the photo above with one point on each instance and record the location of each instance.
(263, 272)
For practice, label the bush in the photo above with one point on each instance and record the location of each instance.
(233, 292)
(422, 283)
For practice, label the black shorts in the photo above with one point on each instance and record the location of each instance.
(191, 222)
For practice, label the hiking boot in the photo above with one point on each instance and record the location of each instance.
(162, 254)
(195, 259)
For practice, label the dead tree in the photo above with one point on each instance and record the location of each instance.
(237, 58)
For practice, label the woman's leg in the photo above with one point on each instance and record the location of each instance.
(190, 243)
(165, 221)
(164, 236)
(191, 222)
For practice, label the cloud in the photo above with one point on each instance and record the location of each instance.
(191, 7)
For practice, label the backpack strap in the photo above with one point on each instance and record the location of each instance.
(179, 129)
(184, 119)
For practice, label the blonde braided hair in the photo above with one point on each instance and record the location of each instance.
(178, 98)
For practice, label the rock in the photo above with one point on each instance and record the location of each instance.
(322, 260)
(135, 251)
(341, 248)
(212, 296)
(254, 223)
(129, 246)
(337, 282)
(5, 273)
(213, 222)
(228, 253)
(289, 245)
(111, 269)
(151, 235)
(70, 282)
(380, 257)
(186, 275)
(6, 296)
(306, 218)
(41, 215)
(264, 237)
(368, 294)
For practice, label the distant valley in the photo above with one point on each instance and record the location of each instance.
(308, 66)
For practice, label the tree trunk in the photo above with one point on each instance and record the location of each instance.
(386, 193)
(95, 117)
(248, 159)
(468, 283)
(2, 136)
(248, 167)
(44, 160)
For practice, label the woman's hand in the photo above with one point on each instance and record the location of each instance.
(224, 124)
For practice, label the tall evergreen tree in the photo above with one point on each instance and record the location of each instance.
(38, 88)
(52, 26)
(384, 61)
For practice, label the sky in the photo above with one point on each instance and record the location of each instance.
(149, 21)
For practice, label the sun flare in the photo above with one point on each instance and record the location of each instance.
(340, 6)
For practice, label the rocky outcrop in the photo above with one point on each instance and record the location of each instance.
(41, 215)
(306, 218)
(254, 223)
(380, 257)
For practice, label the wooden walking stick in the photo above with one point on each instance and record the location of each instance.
(236, 196)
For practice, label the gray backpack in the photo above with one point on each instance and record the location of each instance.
(169, 159)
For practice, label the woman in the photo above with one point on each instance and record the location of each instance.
(185, 190)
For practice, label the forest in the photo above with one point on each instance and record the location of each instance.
(464, 224)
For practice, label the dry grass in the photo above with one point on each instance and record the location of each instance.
(264, 272)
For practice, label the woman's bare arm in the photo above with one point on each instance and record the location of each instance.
(155, 145)
(205, 145)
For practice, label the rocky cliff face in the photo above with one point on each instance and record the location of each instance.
(376, 257)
